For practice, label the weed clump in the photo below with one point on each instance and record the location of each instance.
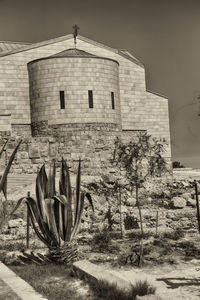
(12, 246)
(109, 291)
(175, 234)
(102, 241)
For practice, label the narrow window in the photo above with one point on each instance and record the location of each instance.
(113, 100)
(90, 98)
(62, 99)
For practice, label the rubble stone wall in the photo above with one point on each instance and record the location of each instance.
(93, 143)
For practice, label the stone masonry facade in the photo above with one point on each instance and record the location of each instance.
(32, 78)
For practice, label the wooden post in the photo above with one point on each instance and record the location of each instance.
(157, 223)
(120, 211)
(27, 225)
(197, 203)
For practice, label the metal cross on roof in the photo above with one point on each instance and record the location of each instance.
(76, 28)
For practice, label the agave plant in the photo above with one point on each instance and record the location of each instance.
(56, 217)
(3, 180)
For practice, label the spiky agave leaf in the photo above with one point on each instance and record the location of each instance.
(63, 178)
(66, 189)
(79, 211)
(69, 207)
(51, 221)
(4, 190)
(17, 205)
(3, 148)
(60, 214)
(77, 193)
(41, 191)
(44, 232)
(3, 181)
(79, 202)
(88, 196)
(51, 181)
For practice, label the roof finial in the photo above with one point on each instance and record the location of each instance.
(76, 28)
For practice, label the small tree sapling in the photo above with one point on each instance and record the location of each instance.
(140, 158)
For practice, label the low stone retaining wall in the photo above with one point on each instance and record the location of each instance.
(85, 269)
(19, 287)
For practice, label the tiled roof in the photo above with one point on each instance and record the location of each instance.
(26, 47)
(72, 53)
(37, 45)
(9, 46)
(127, 54)
(157, 94)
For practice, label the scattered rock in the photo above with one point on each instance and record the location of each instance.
(178, 202)
(149, 200)
(12, 258)
(124, 209)
(185, 183)
(16, 223)
(167, 193)
(191, 202)
(186, 196)
(130, 201)
(116, 218)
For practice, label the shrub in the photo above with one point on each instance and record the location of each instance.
(175, 235)
(131, 222)
(3, 183)
(190, 249)
(136, 234)
(177, 164)
(102, 240)
(112, 292)
(10, 246)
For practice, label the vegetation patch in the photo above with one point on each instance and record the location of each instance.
(54, 282)
(105, 290)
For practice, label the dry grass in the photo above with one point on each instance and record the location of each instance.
(104, 290)
(53, 281)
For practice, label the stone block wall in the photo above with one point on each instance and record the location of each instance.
(5, 122)
(158, 119)
(75, 76)
(14, 83)
(131, 81)
(21, 130)
(93, 143)
(14, 80)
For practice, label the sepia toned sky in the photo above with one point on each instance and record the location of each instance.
(163, 34)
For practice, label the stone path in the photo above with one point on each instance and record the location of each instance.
(6, 293)
(181, 282)
(13, 287)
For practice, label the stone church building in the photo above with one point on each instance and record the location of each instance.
(73, 102)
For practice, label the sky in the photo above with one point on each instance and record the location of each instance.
(163, 34)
